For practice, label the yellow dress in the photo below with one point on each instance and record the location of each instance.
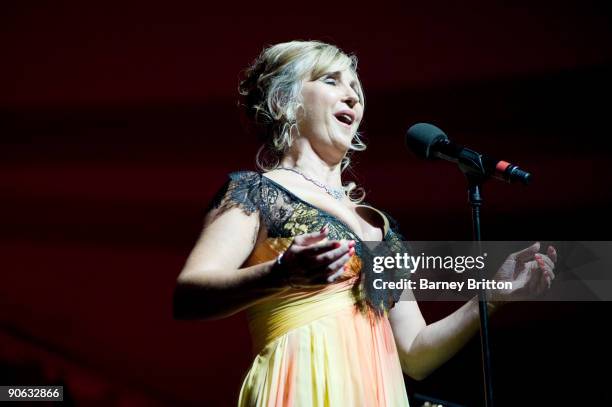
(313, 347)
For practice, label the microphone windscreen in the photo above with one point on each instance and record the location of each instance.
(421, 136)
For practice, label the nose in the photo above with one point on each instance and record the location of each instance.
(351, 98)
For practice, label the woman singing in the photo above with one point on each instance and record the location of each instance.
(285, 244)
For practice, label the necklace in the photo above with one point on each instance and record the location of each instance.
(336, 193)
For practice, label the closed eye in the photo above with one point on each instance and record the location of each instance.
(330, 80)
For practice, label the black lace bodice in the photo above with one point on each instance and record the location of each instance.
(285, 215)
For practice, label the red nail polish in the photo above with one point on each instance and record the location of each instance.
(352, 251)
(337, 244)
(351, 243)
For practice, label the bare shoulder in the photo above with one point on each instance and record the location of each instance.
(231, 226)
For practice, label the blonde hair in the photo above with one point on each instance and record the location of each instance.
(271, 97)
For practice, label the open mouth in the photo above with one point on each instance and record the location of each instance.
(344, 118)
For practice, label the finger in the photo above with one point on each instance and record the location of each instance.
(527, 253)
(533, 270)
(339, 266)
(331, 256)
(539, 281)
(552, 253)
(547, 274)
(319, 247)
(322, 247)
(545, 282)
(542, 283)
(544, 258)
(313, 237)
(332, 278)
(546, 265)
(550, 275)
(541, 263)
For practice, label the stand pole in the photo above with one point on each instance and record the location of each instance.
(475, 200)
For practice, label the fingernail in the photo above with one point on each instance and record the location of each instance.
(337, 244)
(346, 267)
(351, 243)
(323, 229)
(352, 251)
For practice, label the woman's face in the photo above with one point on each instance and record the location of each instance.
(331, 112)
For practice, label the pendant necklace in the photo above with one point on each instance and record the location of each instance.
(336, 193)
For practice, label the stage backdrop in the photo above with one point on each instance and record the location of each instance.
(119, 122)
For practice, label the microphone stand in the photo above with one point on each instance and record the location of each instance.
(475, 200)
(429, 142)
(472, 165)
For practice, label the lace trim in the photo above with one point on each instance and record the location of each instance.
(242, 190)
(286, 216)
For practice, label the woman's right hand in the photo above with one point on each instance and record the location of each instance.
(312, 260)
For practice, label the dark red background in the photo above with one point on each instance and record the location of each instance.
(118, 122)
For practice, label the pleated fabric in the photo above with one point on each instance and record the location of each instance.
(317, 348)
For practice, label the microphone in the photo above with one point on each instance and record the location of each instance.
(429, 142)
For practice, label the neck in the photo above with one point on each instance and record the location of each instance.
(308, 162)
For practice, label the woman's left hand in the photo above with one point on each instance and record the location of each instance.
(529, 271)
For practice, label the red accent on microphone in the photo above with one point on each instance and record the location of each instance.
(502, 166)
